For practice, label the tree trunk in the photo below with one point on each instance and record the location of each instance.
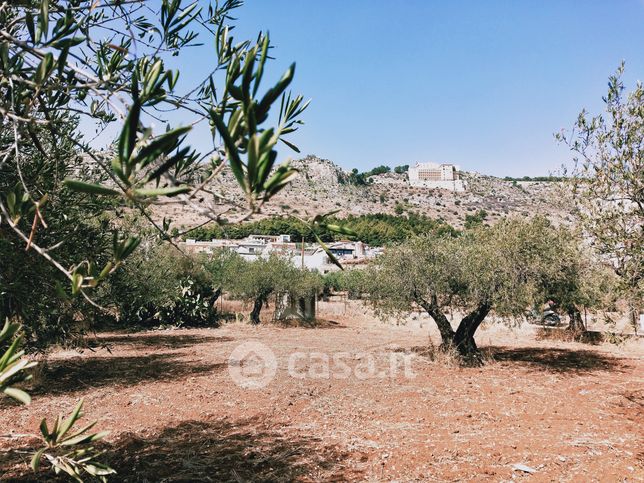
(257, 308)
(464, 336)
(576, 322)
(444, 327)
(213, 299)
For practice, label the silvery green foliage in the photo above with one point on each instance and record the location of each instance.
(13, 366)
(105, 64)
(608, 181)
(69, 450)
(507, 268)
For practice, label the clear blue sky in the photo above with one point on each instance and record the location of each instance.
(483, 84)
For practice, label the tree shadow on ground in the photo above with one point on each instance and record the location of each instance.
(243, 450)
(83, 373)
(590, 337)
(632, 406)
(169, 340)
(221, 451)
(307, 324)
(556, 359)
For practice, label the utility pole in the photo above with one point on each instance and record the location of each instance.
(302, 252)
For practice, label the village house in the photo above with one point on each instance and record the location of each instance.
(311, 256)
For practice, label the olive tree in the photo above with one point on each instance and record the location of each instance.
(575, 278)
(258, 279)
(507, 268)
(221, 266)
(105, 65)
(608, 182)
(305, 283)
(78, 228)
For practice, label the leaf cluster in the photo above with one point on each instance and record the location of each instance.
(13, 367)
(69, 450)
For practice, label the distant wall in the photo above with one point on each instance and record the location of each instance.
(456, 185)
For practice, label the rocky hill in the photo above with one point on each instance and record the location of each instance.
(322, 186)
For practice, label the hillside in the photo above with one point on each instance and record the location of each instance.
(323, 186)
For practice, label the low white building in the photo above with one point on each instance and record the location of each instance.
(315, 258)
(312, 256)
(434, 175)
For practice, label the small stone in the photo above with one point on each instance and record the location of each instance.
(524, 468)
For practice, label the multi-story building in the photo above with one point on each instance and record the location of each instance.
(434, 175)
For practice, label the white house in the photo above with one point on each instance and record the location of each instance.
(315, 258)
(312, 257)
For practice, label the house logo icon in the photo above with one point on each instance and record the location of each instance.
(252, 365)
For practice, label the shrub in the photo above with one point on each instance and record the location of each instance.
(160, 286)
(477, 219)
(401, 169)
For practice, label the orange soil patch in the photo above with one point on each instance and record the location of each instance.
(569, 411)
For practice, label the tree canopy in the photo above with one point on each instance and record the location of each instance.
(260, 278)
(507, 268)
(374, 229)
(65, 63)
(608, 182)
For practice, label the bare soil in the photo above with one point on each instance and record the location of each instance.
(565, 410)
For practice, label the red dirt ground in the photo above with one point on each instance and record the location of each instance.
(571, 412)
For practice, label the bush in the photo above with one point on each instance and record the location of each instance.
(159, 286)
(401, 169)
(351, 281)
(477, 219)
(333, 282)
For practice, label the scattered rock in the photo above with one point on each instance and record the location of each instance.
(524, 468)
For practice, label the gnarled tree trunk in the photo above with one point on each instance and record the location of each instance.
(444, 327)
(576, 322)
(257, 308)
(464, 336)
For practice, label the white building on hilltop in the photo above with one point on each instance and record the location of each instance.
(434, 175)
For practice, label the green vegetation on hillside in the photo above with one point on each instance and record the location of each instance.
(401, 169)
(374, 229)
(361, 179)
(477, 219)
(543, 179)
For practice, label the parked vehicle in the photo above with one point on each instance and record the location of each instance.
(548, 318)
